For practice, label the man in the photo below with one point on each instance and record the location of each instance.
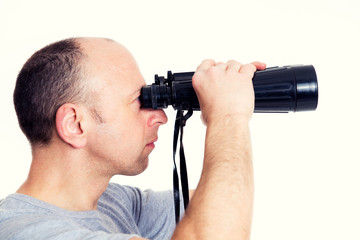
(77, 103)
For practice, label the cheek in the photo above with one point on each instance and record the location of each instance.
(125, 132)
(133, 128)
(115, 144)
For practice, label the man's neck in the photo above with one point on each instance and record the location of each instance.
(64, 178)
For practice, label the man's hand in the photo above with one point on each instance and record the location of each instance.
(225, 89)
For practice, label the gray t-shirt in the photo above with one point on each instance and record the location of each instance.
(123, 212)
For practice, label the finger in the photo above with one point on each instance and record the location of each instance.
(259, 65)
(248, 69)
(206, 64)
(221, 65)
(233, 65)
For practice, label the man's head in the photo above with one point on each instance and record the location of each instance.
(50, 78)
(84, 93)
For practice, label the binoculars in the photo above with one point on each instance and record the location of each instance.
(290, 88)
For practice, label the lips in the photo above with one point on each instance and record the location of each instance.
(151, 143)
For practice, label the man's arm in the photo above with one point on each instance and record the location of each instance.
(221, 207)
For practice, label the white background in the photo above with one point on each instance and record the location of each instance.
(307, 165)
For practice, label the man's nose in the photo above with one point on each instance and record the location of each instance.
(157, 117)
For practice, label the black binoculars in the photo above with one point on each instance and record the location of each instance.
(290, 88)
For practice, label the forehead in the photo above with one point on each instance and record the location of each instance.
(110, 66)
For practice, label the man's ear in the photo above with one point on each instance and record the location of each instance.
(68, 125)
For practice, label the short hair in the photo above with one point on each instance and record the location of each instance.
(50, 77)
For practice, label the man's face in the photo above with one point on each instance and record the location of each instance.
(124, 139)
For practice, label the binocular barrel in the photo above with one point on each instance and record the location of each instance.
(291, 88)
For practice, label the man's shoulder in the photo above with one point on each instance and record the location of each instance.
(20, 216)
(21, 203)
(21, 207)
(20, 210)
(23, 217)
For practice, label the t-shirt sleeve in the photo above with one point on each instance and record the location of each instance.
(153, 212)
(156, 215)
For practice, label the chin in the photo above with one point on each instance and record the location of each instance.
(138, 168)
(143, 165)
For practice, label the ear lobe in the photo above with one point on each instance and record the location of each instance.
(68, 125)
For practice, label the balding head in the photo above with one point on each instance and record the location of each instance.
(106, 63)
(105, 55)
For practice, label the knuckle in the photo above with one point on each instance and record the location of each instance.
(232, 61)
(249, 68)
(252, 67)
(213, 71)
(196, 80)
(209, 61)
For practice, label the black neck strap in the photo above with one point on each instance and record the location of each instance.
(180, 123)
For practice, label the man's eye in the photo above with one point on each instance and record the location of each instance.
(137, 100)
